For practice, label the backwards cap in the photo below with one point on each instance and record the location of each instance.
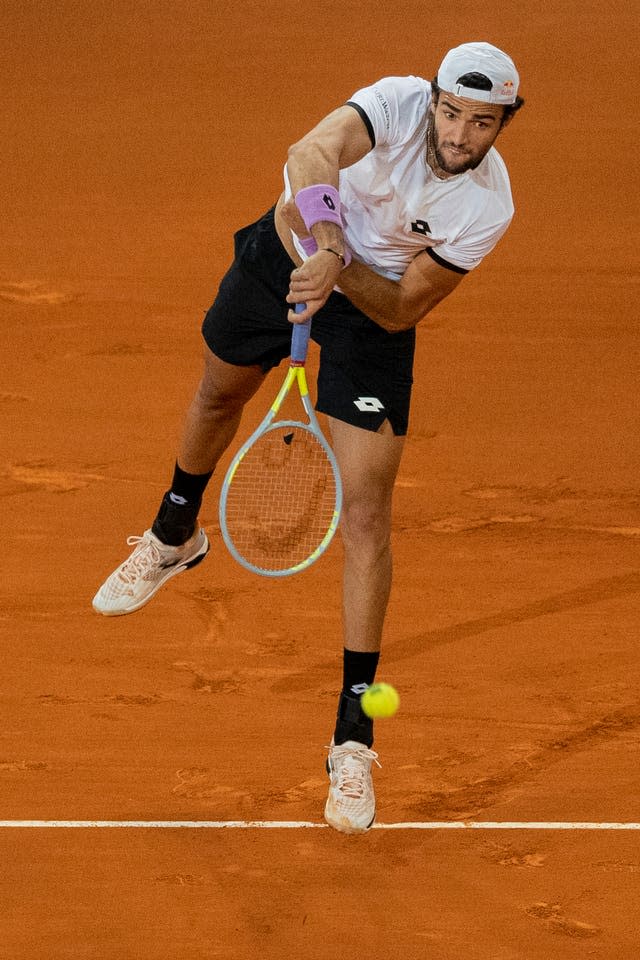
(493, 66)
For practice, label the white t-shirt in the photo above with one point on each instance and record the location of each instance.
(393, 205)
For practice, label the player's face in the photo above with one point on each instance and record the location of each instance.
(464, 131)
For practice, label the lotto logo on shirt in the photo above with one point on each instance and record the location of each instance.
(420, 226)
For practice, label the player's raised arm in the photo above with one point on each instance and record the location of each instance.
(341, 139)
(336, 142)
(313, 211)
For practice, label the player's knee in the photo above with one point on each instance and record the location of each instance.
(223, 391)
(214, 401)
(366, 524)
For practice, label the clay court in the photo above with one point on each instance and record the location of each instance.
(136, 137)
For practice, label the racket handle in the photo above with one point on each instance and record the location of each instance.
(300, 338)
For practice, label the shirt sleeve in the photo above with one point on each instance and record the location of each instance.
(487, 213)
(467, 252)
(391, 107)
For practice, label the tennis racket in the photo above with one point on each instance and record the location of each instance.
(281, 497)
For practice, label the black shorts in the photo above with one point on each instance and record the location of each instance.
(365, 373)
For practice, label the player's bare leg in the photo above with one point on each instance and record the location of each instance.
(369, 464)
(215, 411)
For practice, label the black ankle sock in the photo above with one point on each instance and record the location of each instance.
(175, 523)
(351, 722)
(188, 488)
(178, 513)
(359, 671)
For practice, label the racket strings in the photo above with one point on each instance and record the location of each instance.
(282, 499)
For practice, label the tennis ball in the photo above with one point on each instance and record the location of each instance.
(380, 700)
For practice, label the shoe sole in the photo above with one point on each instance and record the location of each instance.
(171, 572)
(338, 823)
(344, 827)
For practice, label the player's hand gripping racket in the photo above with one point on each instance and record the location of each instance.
(281, 497)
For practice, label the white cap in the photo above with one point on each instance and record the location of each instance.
(487, 60)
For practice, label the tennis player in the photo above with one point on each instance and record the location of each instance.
(389, 202)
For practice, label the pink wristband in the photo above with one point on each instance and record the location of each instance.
(309, 245)
(319, 202)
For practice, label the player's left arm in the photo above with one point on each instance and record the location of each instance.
(394, 305)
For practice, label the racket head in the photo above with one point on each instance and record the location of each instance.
(281, 499)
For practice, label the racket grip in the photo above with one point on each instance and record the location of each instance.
(300, 337)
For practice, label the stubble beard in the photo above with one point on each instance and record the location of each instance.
(437, 161)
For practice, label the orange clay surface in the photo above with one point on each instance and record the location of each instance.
(136, 136)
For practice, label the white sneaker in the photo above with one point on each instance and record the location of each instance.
(142, 574)
(351, 804)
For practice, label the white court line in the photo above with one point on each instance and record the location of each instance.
(307, 824)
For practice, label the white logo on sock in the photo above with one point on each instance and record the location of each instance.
(176, 499)
(359, 688)
(368, 404)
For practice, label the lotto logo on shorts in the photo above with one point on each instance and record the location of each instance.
(368, 404)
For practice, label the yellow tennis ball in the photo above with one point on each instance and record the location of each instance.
(380, 700)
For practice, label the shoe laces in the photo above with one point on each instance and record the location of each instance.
(143, 557)
(352, 766)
